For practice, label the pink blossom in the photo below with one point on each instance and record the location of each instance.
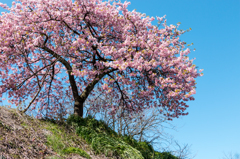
(86, 43)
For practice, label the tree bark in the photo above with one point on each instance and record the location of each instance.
(78, 101)
(78, 108)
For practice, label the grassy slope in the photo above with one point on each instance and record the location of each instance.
(22, 136)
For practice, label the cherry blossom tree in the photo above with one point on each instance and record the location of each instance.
(93, 46)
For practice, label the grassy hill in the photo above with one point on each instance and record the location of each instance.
(22, 136)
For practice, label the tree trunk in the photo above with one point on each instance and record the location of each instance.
(79, 100)
(78, 108)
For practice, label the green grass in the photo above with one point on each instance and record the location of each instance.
(81, 135)
(76, 151)
(61, 142)
(102, 139)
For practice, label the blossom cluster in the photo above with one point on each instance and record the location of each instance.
(141, 65)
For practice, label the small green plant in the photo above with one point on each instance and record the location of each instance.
(76, 151)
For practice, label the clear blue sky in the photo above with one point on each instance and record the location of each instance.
(212, 126)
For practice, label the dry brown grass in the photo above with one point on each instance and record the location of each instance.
(22, 136)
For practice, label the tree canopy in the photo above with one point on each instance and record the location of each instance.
(93, 46)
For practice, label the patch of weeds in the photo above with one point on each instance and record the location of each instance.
(55, 140)
(102, 138)
(60, 140)
(55, 143)
(24, 124)
(16, 156)
(76, 151)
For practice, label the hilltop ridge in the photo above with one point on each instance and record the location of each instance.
(23, 136)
